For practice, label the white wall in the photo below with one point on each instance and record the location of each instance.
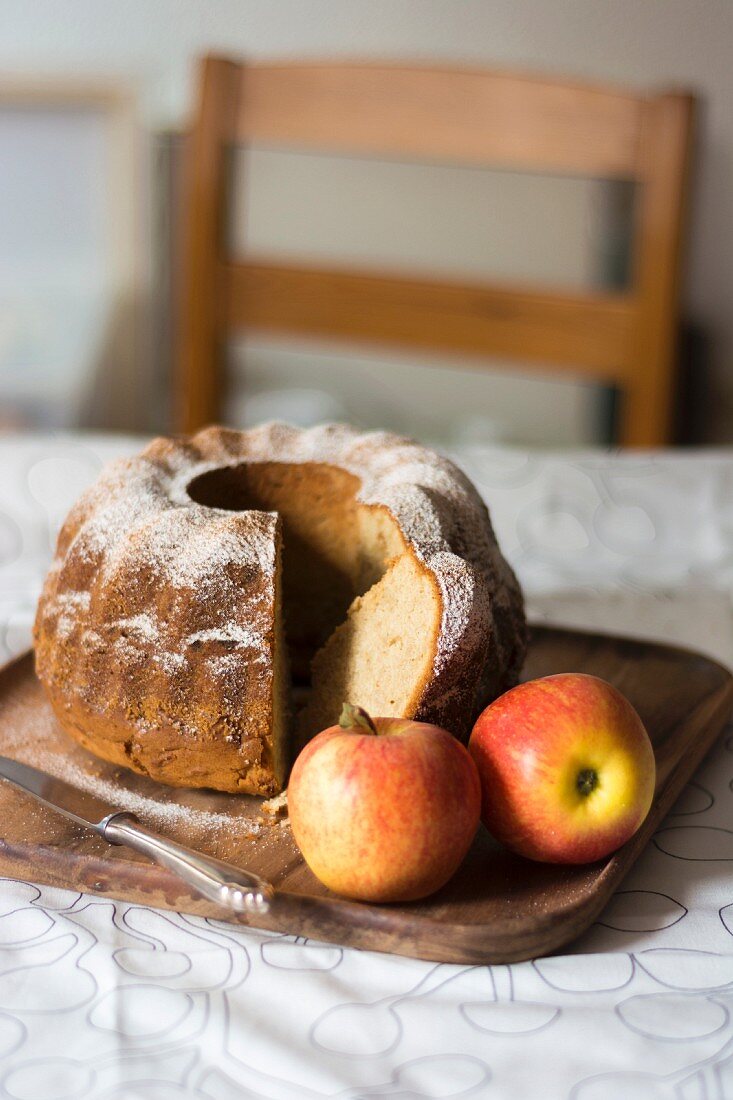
(647, 43)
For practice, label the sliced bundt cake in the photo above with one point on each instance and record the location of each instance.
(188, 579)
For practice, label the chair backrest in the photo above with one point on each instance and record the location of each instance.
(465, 116)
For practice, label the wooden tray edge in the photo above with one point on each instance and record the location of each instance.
(375, 928)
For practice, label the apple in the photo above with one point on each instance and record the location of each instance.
(567, 769)
(385, 809)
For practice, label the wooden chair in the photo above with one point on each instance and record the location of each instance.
(465, 116)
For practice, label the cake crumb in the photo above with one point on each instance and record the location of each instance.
(277, 807)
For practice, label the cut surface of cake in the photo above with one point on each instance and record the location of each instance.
(191, 579)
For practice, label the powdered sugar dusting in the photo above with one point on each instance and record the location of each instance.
(459, 583)
(142, 625)
(187, 546)
(229, 634)
(35, 739)
(170, 816)
(69, 606)
(171, 663)
(205, 551)
(139, 521)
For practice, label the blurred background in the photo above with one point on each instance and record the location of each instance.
(95, 101)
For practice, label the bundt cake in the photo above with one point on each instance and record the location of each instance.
(189, 579)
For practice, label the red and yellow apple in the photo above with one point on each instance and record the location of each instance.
(567, 768)
(385, 809)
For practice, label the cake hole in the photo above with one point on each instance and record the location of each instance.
(264, 486)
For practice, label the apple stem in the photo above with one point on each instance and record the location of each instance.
(356, 718)
(587, 780)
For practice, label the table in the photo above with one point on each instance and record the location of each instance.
(102, 999)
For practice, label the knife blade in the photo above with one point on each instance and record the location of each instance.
(243, 892)
(80, 806)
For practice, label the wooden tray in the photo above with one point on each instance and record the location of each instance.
(498, 908)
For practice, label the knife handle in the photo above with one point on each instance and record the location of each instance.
(228, 886)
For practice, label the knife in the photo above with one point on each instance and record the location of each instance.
(241, 891)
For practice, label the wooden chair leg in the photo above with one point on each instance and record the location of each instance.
(646, 411)
(198, 381)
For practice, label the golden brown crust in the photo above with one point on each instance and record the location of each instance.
(155, 630)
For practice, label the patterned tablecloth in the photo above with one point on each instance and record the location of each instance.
(108, 1000)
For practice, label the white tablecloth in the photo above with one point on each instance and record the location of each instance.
(108, 1000)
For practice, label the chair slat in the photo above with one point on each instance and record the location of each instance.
(459, 115)
(589, 332)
